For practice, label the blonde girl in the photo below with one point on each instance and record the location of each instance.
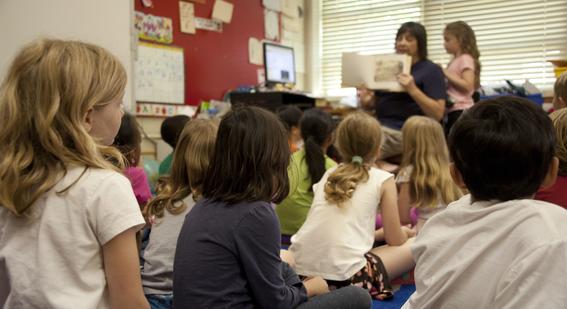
(557, 194)
(424, 180)
(68, 218)
(463, 71)
(336, 240)
(168, 209)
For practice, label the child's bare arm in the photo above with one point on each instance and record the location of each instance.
(464, 83)
(123, 271)
(390, 216)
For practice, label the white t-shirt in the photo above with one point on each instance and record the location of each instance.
(491, 254)
(333, 240)
(157, 274)
(52, 256)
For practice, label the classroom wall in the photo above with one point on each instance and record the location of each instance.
(214, 62)
(103, 22)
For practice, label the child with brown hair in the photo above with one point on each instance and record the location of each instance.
(463, 71)
(129, 142)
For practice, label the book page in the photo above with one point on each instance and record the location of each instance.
(377, 72)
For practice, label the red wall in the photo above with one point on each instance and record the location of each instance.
(215, 62)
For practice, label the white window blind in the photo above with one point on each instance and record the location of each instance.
(515, 38)
(367, 26)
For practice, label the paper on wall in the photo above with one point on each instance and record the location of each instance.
(274, 5)
(208, 24)
(187, 17)
(289, 8)
(271, 25)
(255, 51)
(222, 11)
(290, 24)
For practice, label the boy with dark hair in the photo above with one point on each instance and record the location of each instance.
(496, 247)
(170, 129)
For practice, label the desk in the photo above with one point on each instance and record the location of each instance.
(272, 100)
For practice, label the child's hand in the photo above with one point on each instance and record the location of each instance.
(287, 257)
(410, 232)
(407, 81)
(316, 286)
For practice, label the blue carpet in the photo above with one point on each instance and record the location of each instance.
(399, 299)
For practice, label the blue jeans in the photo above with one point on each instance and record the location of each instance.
(160, 301)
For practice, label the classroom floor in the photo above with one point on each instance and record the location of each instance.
(400, 297)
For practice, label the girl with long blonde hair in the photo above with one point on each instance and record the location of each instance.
(336, 240)
(424, 180)
(168, 209)
(68, 218)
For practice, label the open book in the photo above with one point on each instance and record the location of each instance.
(376, 72)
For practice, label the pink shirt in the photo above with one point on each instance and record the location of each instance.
(140, 184)
(462, 99)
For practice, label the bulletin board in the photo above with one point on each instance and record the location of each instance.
(160, 74)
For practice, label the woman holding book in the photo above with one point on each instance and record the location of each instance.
(424, 90)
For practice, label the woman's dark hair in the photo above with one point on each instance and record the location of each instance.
(417, 31)
(503, 148)
(171, 127)
(250, 159)
(129, 139)
(316, 127)
(289, 115)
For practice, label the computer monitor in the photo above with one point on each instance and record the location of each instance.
(279, 64)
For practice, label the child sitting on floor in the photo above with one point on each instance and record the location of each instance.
(496, 247)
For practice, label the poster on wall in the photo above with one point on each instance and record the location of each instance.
(153, 28)
(208, 24)
(187, 17)
(160, 74)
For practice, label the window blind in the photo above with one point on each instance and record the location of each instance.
(367, 26)
(515, 38)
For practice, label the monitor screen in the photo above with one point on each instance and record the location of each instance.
(279, 64)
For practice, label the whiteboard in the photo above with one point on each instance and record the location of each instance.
(160, 74)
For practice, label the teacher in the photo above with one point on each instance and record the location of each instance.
(425, 90)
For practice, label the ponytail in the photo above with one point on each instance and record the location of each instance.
(342, 182)
(315, 159)
(316, 128)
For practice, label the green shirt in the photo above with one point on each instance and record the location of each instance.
(293, 210)
(165, 165)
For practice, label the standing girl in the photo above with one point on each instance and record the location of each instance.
(129, 142)
(228, 250)
(336, 240)
(424, 180)
(167, 211)
(463, 71)
(68, 218)
(307, 167)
